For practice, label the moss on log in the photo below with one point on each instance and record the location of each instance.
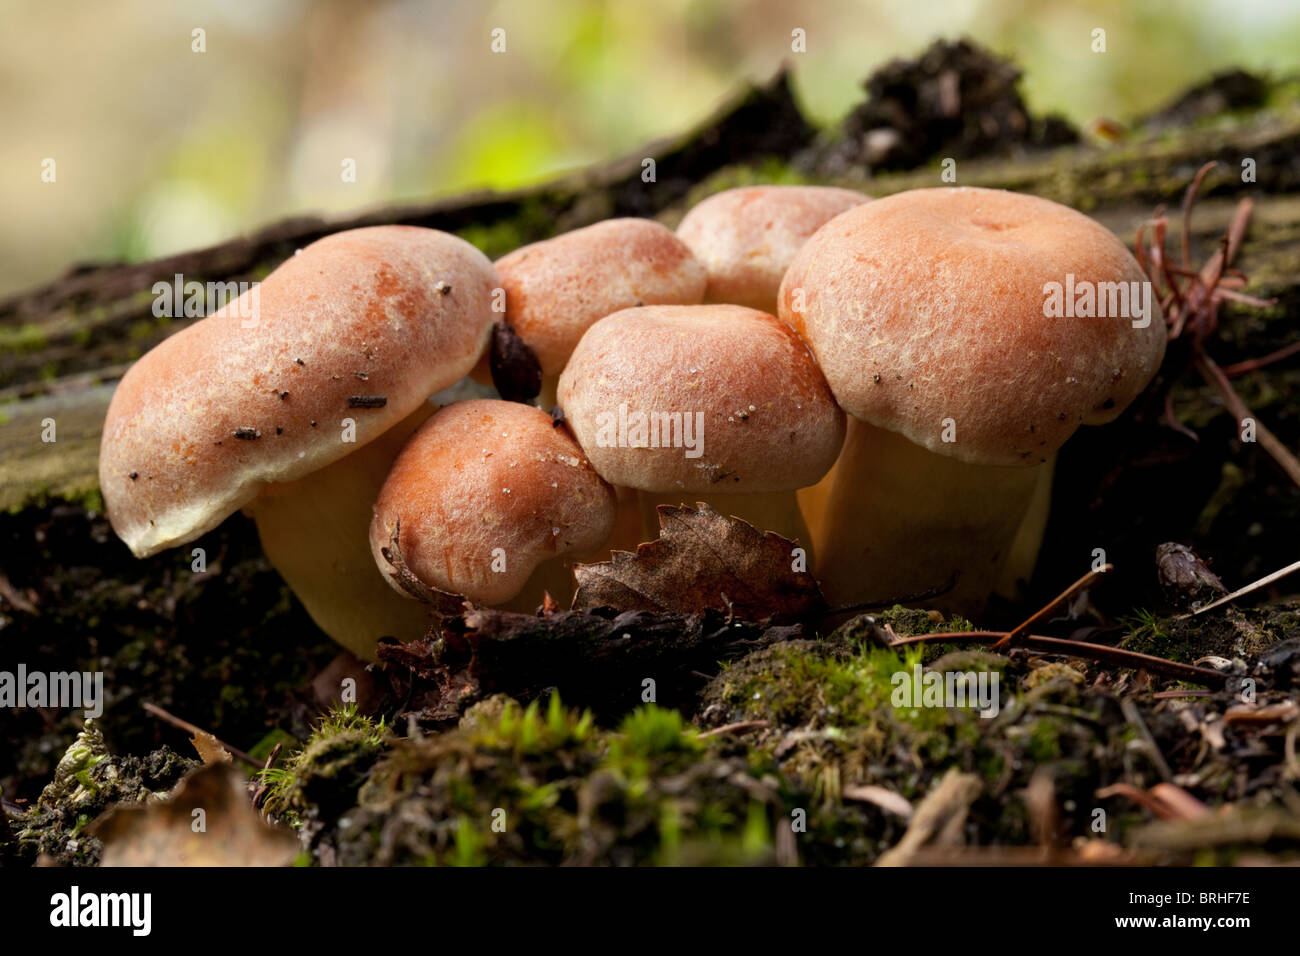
(62, 345)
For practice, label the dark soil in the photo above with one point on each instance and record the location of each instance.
(230, 650)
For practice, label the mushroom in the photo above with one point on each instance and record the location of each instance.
(556, 289)
(746, 238)
(486, 500)
(1018, 568)
(714, 403)
(931, 313)
(292, 405)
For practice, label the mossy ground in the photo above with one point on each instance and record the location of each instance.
(540, 783)
(232, 651)
(87, 781)
(229, 648)
(1231, 633)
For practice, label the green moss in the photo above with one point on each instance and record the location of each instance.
(650, 732)
(469, 845)
(527, 731)
(1146, 630)
(88, 780)
(911, 622)
(495, 239)
(769, 171)
(534, 219)
(543, 784)
(323, 777)
(833, 723)
(1233, 632)
(29, 337)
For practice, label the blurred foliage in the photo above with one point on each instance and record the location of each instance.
(160, 148)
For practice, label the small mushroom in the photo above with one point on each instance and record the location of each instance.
(714, 403)
(490, 501)
(359, 300)
(556, 289)
(746, 238)
(926, 311)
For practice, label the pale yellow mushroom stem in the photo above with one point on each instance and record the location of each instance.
(1019, 567)
(316, 533)
(902, 519)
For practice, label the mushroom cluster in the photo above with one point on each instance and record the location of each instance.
(881, 372)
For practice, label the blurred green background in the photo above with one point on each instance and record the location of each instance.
(159, 148)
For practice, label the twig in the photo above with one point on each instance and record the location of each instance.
(1035, 856)
(1263, 582)
(739, 725)
(1134, 717)
(1139, 796)
(1166, 801)
(937, 819)
(881, 797)
(260, 795)
(1084, 582)
(1252, 365)
(1100, 653)
(1188, 201)
(17, 600)
(189, 728)
(1195, 309)
(1215, 377)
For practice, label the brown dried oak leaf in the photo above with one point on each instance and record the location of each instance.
(703, 561)
(166, 832)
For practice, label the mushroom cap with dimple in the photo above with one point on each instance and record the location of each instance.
(746, 238)
(360, 326)
(484, 475)
(556, 289)
(957, 317)
(701, 399)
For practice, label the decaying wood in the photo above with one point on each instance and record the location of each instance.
(601, 660)
(63, 344)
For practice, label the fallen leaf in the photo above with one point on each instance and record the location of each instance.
(703, 560)
(172, 832)
(1183, 804)
(210, 749)
(937, 820)
(1165, 800)
(1139, 796)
